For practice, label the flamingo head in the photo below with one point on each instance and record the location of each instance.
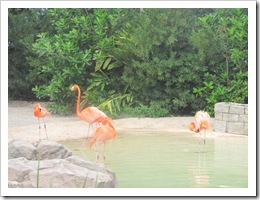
(72, 88)
(37, 106)
(193, 127)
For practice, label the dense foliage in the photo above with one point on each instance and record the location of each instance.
(144, 62)
(23, 26)
(81, 44)
(221, 41)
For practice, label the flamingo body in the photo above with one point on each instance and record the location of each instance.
(103, 133)
(91, 115)
(40, 111)
(202, 116)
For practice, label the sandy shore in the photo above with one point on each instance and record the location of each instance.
(23, 124)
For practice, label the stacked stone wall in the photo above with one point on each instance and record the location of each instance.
(231, 118)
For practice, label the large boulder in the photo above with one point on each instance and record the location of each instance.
(47, 149)
(21, 148)
(50, 164)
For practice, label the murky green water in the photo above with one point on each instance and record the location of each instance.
(173, 160)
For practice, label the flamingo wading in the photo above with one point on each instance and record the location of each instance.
(103, 133)
(201, 123)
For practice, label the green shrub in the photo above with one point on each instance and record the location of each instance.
(80, 46)
(150, 62)
(155, 110)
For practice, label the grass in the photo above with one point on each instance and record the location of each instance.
(38, 174)
(85, 181)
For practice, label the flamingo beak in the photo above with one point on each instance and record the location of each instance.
(72, 88)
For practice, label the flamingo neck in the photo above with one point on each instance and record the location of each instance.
(112, 127)
(78, 102)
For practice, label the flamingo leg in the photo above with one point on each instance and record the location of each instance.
(39, 129)
(97, 124)
(83, 143)
(104, 156)
(204, 136)
(97, 152)
(88, 137)
(88, 131)
(45, 128)
(200, 137)
(88, 134)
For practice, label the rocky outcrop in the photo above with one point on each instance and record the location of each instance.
(49, 164)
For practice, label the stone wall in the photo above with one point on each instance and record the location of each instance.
(231, 118)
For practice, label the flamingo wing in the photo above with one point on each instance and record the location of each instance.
(202, 116)
(102, 134)
(89, 114)
(40, 111)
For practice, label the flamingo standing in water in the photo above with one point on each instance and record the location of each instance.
(41, 112)
(103, 133)
(201, 123)
(89, 114)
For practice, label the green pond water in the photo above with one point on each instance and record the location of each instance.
(172, 160)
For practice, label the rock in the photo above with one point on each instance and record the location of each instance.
(18, 169)
(13, 184)
(57, 168)
(86, 163)
(21, 148)
(47, 149)
(99, 167)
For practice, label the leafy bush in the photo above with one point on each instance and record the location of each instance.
(155, 110)
(23, 25)
(158, 62)
(226, 79)
(80, 45)
(150, 62)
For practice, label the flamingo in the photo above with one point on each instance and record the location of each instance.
(89, 114)
(41, 112)
(201, 123)
(103, 133)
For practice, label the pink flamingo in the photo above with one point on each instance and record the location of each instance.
(103, 133)
(89, 114)
(201, 123)
(41, 112)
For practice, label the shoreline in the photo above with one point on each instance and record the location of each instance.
(23, 124)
